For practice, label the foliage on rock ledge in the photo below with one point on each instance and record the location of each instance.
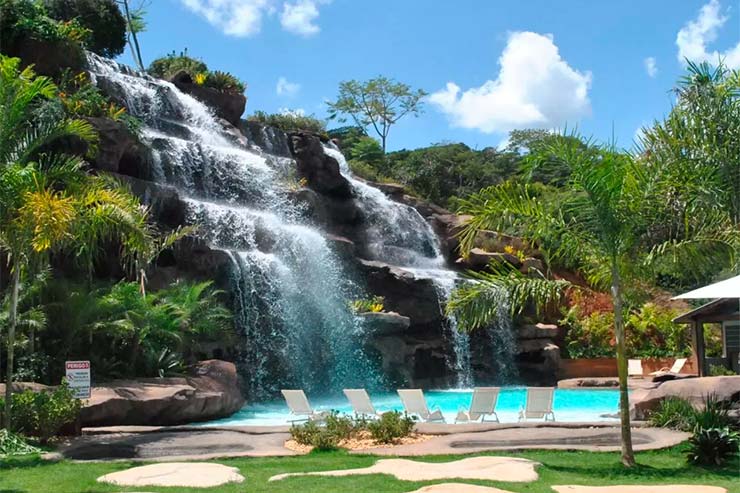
(168, 66)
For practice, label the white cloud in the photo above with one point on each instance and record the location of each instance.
(535, 87)
(651, 67)
(693, 38)
(286, 88)
(299, 17)
(242, 18)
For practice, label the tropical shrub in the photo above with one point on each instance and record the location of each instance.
(391, 426)
(102, 18)
(680, 414)
(224, 82)
(673, 412)
(713, 446)
(43, 414)
(650, 331)
(12, 444)
(318, 437)
(374, 305)
(289, 121)
(720, 371)
(168, 66)
(26, 18)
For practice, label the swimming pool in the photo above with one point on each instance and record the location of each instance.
(569, 405)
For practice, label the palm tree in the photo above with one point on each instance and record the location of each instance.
(597, 225)
(47, 200)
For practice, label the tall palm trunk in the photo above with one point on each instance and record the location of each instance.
(628, 455)
(12, 321)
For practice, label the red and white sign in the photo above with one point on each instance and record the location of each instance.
(78, 378)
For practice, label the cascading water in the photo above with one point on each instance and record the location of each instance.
(291, 294)
(400, 236)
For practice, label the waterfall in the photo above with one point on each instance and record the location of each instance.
(400, 236)
(291, 294)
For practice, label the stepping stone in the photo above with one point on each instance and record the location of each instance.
(183, 474)
(458, 488)
(674, 488)
(509, 469)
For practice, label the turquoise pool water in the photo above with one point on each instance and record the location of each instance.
(569, 405)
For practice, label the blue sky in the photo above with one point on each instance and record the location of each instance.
(489, 65)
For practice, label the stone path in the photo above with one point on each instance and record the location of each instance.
(458, 488)
(195, 443)
(201, 443)
(596, 439)
(183, 474)
(693, 488)
(509, 469)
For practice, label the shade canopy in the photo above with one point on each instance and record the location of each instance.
(729, 288)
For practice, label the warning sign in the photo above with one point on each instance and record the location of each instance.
(78, 378)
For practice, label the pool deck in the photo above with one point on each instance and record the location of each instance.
(199, 443)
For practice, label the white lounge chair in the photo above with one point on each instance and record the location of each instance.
(361, 403)
(674, 370)
(414, 403)
(539, 404)
(299, 406)
(634, 368)
(482, 404)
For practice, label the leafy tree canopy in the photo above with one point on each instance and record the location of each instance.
(378, 103)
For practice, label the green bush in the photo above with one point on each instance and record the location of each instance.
(43, 414)
(289, 121)
(327, 437)
(102, 17)
(720, 371)
(650, 333)
(26, 18)
(168, 66)
(713, 414)
(310, 433)
(713, 446)
(590, 336)
(680, 414)
(673, 412)
(224, 82)
(391, 426)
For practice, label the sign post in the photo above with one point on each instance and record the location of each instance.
(78, 378)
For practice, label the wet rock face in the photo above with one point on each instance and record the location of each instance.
(227, 105)
(320, 171)
(406, 294)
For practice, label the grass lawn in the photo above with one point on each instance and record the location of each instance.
(659, 467)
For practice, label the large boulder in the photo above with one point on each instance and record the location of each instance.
(695, 390)
(228, 105)
(211, 392)
(320, 170)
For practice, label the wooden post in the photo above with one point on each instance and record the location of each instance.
(698, 336)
